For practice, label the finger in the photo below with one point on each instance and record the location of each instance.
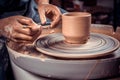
(19, 40)
(21, 36)
(26, 21)
(19, 28)
(25, 31)
(28, 30)
(54, 15)
(42, 15)
(24, 38)
(55, 21)
(36, 35)
(35, 28)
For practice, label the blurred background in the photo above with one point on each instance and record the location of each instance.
(102, 10)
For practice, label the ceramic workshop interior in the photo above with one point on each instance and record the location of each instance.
(51, 58)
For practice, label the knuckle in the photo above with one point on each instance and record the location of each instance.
(13, 35)
(30, 20)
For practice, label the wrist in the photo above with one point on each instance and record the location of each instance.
(42, 1)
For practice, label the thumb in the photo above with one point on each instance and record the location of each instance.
(42, 16)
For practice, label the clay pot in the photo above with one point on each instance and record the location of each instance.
(76, 27)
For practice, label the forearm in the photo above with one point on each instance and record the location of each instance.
(42, 1)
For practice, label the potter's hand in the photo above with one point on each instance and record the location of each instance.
(49, 11)
(19, 29)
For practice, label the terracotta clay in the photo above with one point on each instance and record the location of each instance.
(76, 27)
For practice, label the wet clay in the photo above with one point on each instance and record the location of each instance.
(76, 27)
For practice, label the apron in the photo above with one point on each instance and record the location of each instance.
(26, 8)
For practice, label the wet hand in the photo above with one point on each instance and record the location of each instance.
(20, 29)
(49, 11)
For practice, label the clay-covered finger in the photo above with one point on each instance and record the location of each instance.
(26, 21)
(21, 36)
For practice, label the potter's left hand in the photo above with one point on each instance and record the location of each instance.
(49, 11)
(19, 29)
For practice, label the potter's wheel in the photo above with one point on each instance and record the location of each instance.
(54, 68)
(98, 45)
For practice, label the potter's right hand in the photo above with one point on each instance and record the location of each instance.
(19, 29)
